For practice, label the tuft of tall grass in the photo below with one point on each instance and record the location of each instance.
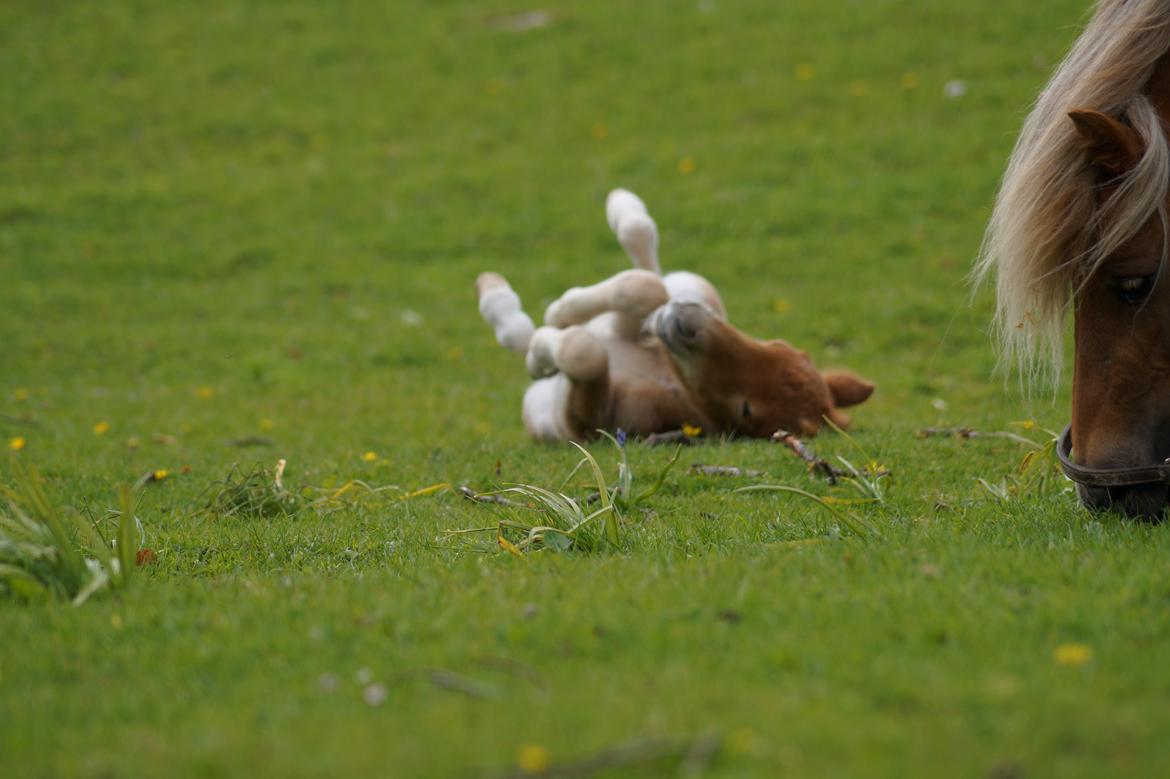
(46, 551)
(563, 522)
(252, 493)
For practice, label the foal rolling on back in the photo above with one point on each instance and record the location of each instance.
(648, 353)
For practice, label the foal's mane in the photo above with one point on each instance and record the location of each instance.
(1047, 233)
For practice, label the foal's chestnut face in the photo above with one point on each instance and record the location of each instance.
(751, 387)
(1121, 380)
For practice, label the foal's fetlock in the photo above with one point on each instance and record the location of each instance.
(542, 347)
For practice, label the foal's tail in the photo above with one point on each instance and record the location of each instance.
(635, 230)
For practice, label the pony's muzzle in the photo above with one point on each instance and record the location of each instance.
(1137, 501)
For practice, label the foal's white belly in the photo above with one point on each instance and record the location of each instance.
(545, 404)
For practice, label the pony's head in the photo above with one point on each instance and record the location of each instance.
(1121, 376)
(1080, 223)
(751, 387)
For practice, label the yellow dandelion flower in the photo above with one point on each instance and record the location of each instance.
(858, 88)
(600, 132)
(267, 424)
(101, 428)
(532, 759)
(16, 444)
(804, 72)
(160, 474)
(686, 165)
(20, 394)
(781, 306)
(369, 457)
(909, 81)
(690, 431)
(1072, 654)
(455, 353)
(508, 546)
(205, 393)
(1024, 424)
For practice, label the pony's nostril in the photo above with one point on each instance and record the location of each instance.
(1095, 498)
(1139, 501)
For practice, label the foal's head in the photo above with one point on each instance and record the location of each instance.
(1121, 380)
(750, 387)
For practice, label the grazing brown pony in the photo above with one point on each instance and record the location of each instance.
(1081, 222)
(648, 353)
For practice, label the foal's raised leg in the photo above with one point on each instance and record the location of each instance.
(635, 230)
(500, 306)
(630, 295)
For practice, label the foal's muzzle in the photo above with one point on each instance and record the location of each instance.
(679, 323)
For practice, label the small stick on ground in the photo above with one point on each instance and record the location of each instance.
(670, 437)
(817, 465)
(724, 470)
(694, 755)
(250, 440)
(478, 497)
(448, 680)
(11, 420)
(966, 432)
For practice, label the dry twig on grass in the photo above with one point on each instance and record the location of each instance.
(724, 470)
(817, 465)
(671, 437)
(694, 754)
(486, 497)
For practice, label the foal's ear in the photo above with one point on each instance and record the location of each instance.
(1111, 147)
(847, 389)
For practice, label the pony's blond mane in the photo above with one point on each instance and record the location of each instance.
(1047, 232)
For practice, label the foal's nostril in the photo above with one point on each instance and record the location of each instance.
(683, 328)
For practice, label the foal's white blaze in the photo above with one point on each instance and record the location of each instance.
(635, 230)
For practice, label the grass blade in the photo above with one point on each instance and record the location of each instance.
(859, 526)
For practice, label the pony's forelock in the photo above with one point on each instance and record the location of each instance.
(1047, 233)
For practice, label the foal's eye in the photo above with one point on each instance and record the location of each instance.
(1133, 289)
(747, 409)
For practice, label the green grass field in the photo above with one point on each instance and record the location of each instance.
(229, 220)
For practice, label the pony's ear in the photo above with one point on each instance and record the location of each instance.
(847, 389)
(1111, 147)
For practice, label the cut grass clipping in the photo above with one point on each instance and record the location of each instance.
(47, 552)
(563, 523)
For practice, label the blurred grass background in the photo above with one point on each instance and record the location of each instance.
(235, 219)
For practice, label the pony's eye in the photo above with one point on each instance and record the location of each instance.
(1133, 289)
(747, 409)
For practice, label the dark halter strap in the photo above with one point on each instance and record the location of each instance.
(1107, 477)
